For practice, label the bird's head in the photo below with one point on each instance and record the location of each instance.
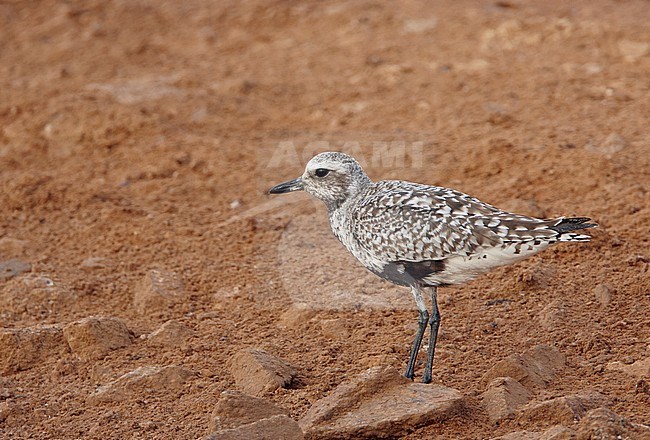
(330, 177)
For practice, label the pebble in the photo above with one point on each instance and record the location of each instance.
(94, 337)
(603, 294)
(13, 268)
(137, 90)
(24, 348)
(172, 334)
(96, 263)
(561, 410)
(257, 372)
(334, 328)
(535, 368)
(297, 316)
(150, 379)
(639, 369)
(276, 427)
(557, 432)
(502, 398)
(419, 25)
(235, 408)
(633, 50)
(380, 401)
(552, 315)
(158, 291)
(602, 423)
(611, 145)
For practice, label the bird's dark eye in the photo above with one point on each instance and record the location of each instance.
(321, 172)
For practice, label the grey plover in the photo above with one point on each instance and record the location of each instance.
(422, 236)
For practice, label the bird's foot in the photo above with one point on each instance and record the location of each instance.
(409, 375)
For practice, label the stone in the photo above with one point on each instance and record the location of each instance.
(96, 263)
(5, 410)
(150, 379)
(36, 295)
(272, 428)
(639, 369)
(602, 423)
(561, 410)
(172, 334)
(557, 432)
(334, 328)
(519, 435)
(94, 337)
(613, 143)
(633, 50)
(379, 401)
(296, 316)
(603, 294)
(137, 90)
(502, 398)
(158, 291)
(13, 268)
(257, 372)
(534, 369)
(235, 408)
(24, 348)
(419, 25)
(552, 315)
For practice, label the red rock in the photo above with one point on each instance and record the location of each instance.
(519, 435)
(152, 379)
(94, 337)
(502, 398)
(172, 334)
(272, 428)
(603, 294)
(552, 315)
(334, 328)
(377, 402)
(236, 408)
(534, 369)
(5, 410)
(639, 369)
(297, 316)
(13, 268)
(561, 410)
(96, 263)
(602, 423)
(158, 291)
(256, 372)
(557, 432)
(24, 348)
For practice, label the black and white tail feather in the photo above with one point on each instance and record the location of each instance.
(565, 226)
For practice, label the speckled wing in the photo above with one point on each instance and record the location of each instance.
(401, 221)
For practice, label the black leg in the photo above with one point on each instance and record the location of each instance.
(423, 319)
(433, 336)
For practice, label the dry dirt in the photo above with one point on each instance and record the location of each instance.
(143, 135)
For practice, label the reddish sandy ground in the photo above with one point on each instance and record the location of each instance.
(146, 133)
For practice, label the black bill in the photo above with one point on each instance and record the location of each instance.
(285, 187)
